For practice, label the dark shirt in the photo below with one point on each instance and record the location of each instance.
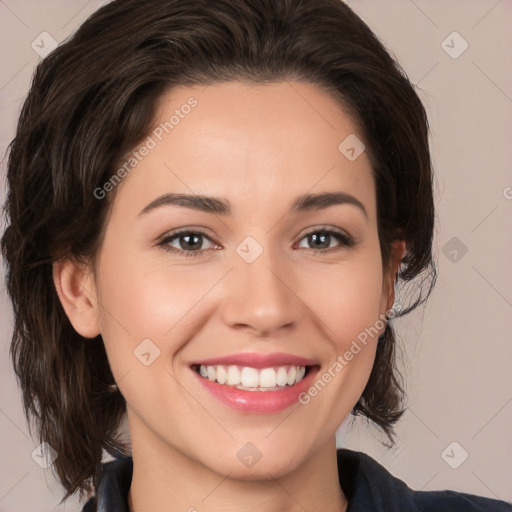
(368, 486)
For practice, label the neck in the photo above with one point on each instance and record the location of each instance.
(165, 479)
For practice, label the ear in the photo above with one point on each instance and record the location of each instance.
(388, 291)
(77, 292)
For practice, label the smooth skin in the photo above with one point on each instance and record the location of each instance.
(258, 147)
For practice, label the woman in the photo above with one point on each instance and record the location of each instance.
(210, 205)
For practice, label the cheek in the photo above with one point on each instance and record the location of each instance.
(142, 299)
(347, 301)
(358, 303)
(347, 297)
(139, 302)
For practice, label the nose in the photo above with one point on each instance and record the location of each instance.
(261, 297)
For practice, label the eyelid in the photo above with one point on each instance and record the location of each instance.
(179, 231)
(333, 229)
(330, 229)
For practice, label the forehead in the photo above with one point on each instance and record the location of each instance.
(251, 143)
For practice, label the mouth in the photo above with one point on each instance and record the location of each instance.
(253, 383)
(247, 378)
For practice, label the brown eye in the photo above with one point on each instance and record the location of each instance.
(190, 243)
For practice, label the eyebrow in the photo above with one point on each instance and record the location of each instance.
(220, 206)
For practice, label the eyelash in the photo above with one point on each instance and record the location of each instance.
(346, 241)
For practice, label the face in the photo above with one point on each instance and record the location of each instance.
(257, 288)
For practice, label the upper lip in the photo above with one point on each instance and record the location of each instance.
(255, 360)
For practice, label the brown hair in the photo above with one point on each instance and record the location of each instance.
(94, 98)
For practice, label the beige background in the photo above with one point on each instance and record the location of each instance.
(457, 353)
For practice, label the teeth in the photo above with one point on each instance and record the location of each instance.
(268, 378)
(222, 375)
(251, 378)
(292, 374)
(233, 375)
(210, 371)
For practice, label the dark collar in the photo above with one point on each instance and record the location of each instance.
(368, 486)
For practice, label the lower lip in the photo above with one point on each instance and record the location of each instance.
(258, 402)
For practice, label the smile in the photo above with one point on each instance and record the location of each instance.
(253, 379)
(255, 383)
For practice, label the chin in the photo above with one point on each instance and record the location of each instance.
(250, 463)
